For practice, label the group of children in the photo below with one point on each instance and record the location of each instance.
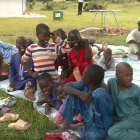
(80, 88)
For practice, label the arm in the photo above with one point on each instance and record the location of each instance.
(88, 51)
(135, 42)
(112, 65)
(45, 101)
(85, 96)
(102, 63)
(24, 60)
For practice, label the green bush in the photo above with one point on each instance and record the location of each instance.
(63, 6)
(47, 6)
(102, 3)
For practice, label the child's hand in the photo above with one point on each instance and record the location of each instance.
(47, 109)
(35, 75)
(40, 102)
(53, 36)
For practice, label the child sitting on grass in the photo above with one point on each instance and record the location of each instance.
(43, 54)
(93, 103)
(126, 97)
(18, 76)
(4, 68)
(107, 62)
(47, 86)
(80, 55)
(60, 94)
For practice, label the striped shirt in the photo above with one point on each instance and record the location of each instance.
(44, 58)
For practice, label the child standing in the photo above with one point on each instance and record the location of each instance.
(126, 97)
(93, 103)
(19, 78)
(47, 86)
(4, 68)
(107, 62)
(80, 55)
(43, 54)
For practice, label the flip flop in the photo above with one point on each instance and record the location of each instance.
(20, 125)
(9, 117)
(6, 110)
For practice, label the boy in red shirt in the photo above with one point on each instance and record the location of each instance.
(80, 55)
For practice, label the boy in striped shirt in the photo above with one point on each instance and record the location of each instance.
(44, 54)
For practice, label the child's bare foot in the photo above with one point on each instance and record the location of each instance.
(75, 126)
(64, 128)
(29, 95)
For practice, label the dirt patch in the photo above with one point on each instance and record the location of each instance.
(111, 31)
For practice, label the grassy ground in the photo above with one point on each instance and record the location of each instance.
(11, 28)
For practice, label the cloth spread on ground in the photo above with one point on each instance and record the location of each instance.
(108, 75)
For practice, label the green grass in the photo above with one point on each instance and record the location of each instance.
(40, 124)
(11, 28)
(127, 19)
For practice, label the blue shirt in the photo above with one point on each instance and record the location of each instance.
(100, 110)
(18, 73)
(52, 98)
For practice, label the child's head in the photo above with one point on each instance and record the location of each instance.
(61, 33)
(21, 44)
(59, 91)
(74, 39)
(43, 34)
(1, 58)
(30, 41)
(93, 75)
(107, 53)
(124, 73)
(45, 83)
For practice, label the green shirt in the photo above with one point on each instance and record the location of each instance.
(127, 103)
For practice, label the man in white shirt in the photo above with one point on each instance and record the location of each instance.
(133, 39)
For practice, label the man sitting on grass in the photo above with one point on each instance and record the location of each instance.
(133, 39)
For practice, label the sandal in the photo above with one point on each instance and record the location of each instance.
(6, 110)
(20, 124)
(9, 117)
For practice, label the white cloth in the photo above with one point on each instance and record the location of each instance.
(101, 62)
(80, 0)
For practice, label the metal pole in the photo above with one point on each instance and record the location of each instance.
(116, 21)
(107, 21)
(101, 19)
(93, 18)
(104, 18)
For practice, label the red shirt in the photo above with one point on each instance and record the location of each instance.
(77, 60)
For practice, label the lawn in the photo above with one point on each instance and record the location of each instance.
(11, 28)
